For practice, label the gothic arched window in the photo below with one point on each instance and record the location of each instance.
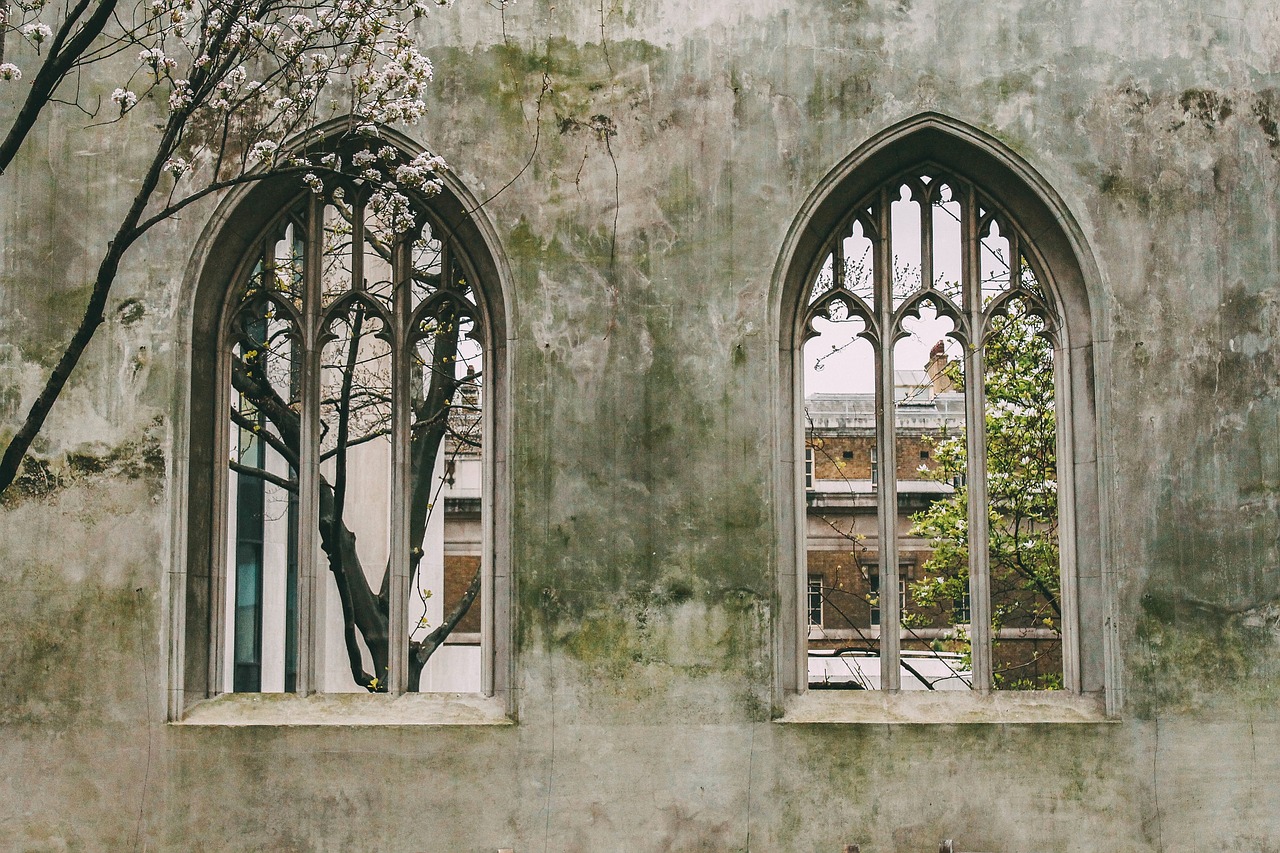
(941, 417)
(350, 525)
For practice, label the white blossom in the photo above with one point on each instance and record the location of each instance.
(156, 59)
(406, 110)
(419, 173)
(263, 151)
(393, 209)
(357, 57)
(37, 32)
(124, 99)
(429, 162)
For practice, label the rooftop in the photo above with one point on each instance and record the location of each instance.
(917, 408)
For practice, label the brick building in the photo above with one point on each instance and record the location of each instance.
(844, 592)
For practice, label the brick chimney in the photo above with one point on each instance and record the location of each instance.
(936, 369)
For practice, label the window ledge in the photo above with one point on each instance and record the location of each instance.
(347, 709)
(941, 708)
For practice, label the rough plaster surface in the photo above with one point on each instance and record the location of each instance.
(646, 190)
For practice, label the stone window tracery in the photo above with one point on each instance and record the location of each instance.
(350, 501)
(926, 282)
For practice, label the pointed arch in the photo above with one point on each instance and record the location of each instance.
(1044, 232)
(224, 259)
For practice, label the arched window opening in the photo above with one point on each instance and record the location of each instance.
(931, 362)
(352, 467)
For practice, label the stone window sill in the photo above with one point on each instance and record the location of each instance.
(857, 707)
(347, 709)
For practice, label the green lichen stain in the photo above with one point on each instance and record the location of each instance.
(632, 643)
(1266, 109)
(139, 459)
(1208, 107)
(1115, 183)
(10, 401)
(130, 311)
(70, 631)
(1010, 85)
(1183, 654)
(606, 644)
(522, 242)
(61, 309)
(680, 198)
(563, 77)
(847, 96)
(677, 591)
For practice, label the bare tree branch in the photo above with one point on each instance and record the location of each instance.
(273, 479)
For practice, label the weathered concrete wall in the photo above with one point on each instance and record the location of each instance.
(657, 153)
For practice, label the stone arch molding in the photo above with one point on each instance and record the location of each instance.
(216, 263)
(939, 141)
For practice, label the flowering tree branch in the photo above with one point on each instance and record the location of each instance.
(72, 39)
(223, 125)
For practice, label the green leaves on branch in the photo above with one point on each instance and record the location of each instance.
(1022, 492)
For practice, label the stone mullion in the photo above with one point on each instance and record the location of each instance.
(492, 462)
(837, 264)
(926, 235)
(398, 603)
(357, 245)
(219, 585)
(1065, 468)
(887, 488)
(976, 450)
(1015, 260)
(309, 612)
